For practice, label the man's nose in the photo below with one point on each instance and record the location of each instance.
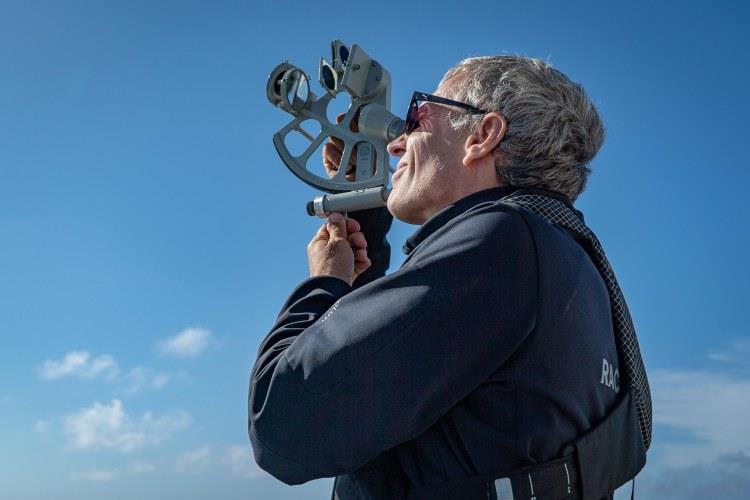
(397, 147)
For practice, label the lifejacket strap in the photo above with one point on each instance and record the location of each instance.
(592, 467)
(554, 480)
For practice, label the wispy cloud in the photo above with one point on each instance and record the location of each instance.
(737, 354)
(711, 407)
(95, 475)
(194, 461)
(241, 462)
(140, 378)
(82, 365)
(110, 427)
(105, 475)
(41, 426)
(238, 458)
(709, 455)
(727, 478)
(187, 344)
(138, 468)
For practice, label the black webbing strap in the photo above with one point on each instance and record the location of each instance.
(557, 212)
(554, 480)
(593, 466)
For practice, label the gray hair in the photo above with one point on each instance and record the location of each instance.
(554, 130)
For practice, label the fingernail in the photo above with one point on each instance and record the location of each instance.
(334, 217)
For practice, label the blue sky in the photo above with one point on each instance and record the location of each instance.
(149, 233)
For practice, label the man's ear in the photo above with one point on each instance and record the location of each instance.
(485, 138)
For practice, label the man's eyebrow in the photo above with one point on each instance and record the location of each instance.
(424, 112)
(433, 106)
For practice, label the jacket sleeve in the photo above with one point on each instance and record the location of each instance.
(347, 374)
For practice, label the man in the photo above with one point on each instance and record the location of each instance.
(486, 351)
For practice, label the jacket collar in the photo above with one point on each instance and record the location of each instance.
(457, 208)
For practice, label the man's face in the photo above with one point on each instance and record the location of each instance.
(427, 174)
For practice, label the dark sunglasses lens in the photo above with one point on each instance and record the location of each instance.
(412, 120)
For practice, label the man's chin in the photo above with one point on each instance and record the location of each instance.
(401, 210)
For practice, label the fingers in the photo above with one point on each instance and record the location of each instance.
(359, 246)
(338, 249)
(357, 241)
(339, 227)
(352, 226)
(361, 262)
(336, 226)
(333, 150)
(361, 258)
(321, 235)
(354, 125)
(331, 159)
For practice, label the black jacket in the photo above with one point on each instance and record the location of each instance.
(483, 352)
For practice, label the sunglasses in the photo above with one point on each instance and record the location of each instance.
(412, 115)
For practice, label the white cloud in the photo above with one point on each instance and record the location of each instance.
(737, 354)
(80, 364)
(711, 407)
(41, 426)
(194, 461)
(238, 457)
(96, 475)
(187, 344)
(106, 475)
(109, 427)
(709, 454)
(727, 478)
(241, 461)
(138, 468)
(140, 378)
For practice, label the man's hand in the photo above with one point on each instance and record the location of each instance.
(338, 249)
(334, 149)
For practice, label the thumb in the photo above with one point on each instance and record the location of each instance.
(337, 226)
(322, 234)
